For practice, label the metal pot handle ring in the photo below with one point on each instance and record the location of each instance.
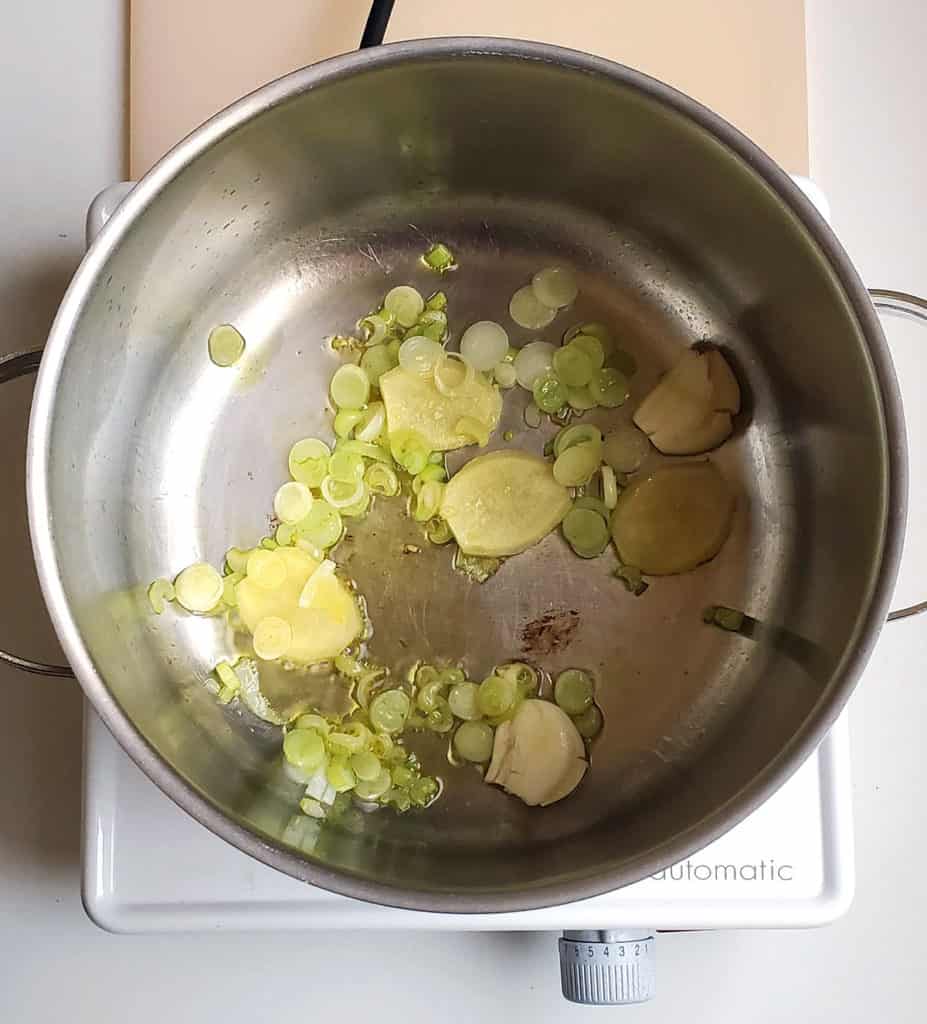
(911, 307)
(12, 366)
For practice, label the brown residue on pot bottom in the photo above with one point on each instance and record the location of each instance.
(551, 632)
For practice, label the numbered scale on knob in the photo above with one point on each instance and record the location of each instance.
(607, 967)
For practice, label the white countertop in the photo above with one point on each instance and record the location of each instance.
(62, 83)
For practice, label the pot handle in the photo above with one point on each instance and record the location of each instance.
(12, 366)
(912, 308)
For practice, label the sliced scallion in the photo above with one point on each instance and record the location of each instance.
(431, 472)
(592, 329)
(377, 360)
(347, 467)
(484, 344)
(366, 766)
(573, 366)
(419, 354)
(341, 494)
(304, 748)
(609, 487)
(526, 678)
(586, 532)
(322, 527)
(229, 583)
(292, 502)
(609, 387)
(375, 788)
(549, 393)
(591, 347)
(533, 361)
(237, 559)
(225, 345)
(589, 722)
(340, 775)
(533, 415)
(576, 465)
(382, 479)
(430, 694)
(350, 387)
(359, 508)
(729, 619)
(439, 258)
(409, 450)
(473, 742)
(580, 400)
(432, 324)
(405, 303)
(555, 286)
(593, 503)
(428, 500)
(308, 461)
(527, 310)
(377, 327)
(198, 588)
(346, 420)
(462, 701)
(159, 593)
(364, 449)
(505, 375)
(437, 531)
(625, 448)
(389, 711)
(423, 791)
(632, 579)
(285, 534)
(317, 722)
(371, 425)
(497, 695)
(573, 691)
(440, 719)
(579, 433)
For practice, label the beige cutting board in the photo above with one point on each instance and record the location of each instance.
(743, 58)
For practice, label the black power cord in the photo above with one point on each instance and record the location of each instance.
(377, 20)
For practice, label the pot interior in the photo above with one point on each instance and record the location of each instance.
(296, 221)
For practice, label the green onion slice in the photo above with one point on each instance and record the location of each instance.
(473, 742)
(350, 387)
(573, 691)
(382, 479)
(405, 303)
(586, 532)
(292, 502)
(198, 588)
(159, 592)
(389, 711)
(576, 465)
(225, 345)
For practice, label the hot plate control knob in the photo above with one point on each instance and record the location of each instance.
(607, 968)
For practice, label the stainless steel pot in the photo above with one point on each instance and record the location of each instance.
(292, 211)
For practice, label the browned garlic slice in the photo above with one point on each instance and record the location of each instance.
(538, 755)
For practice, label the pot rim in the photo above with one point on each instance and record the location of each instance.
(274, 854)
